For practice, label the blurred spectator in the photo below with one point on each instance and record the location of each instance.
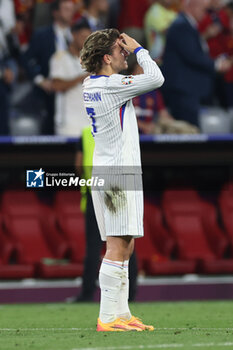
(95, 14)
(42, 14)
(229, 51)
(113, 15)
(187, 66)
(153, 116)
(8, 67)
(7, 17)
(157, 20)
(149, 108)
(6, 79)
(78, 9)
(176, 5)
(24, 10)
(8, 39)
(44, 42)
(150, 111)
(67, 76)
(131, 18)
(215, 28)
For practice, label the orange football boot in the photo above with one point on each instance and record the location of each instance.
(136, 322)
(116, 326)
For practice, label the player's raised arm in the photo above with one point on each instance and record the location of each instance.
(128, 43)
(105, 54)
(130, 86)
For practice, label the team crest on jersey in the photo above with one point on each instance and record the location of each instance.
(127, 80)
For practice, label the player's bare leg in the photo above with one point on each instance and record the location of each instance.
(123, 311)
(111, 274)
(114, 284)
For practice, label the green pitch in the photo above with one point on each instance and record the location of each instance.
(194, 325)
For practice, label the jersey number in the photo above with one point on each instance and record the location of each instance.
(91, 113)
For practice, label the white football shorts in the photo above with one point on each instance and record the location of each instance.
(119, 207)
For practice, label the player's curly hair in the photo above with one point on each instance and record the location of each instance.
(95, 47)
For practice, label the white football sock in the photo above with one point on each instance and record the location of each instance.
(110, 278)
(122, 305)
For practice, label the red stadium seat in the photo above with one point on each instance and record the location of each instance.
(73, 230)
(226, 209)
(56, 242)
(27, 205)
(193, 224)
(6, 246)
(154, 250)
(156, 230)
(213, 231)
(8, 268)
(20, 203)
(26, 231)
(71, 222)
(16, 271)
(183, 194)
(147, 252)
(23, 220)
(68, 202)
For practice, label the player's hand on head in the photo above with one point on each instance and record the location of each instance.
(128, 43)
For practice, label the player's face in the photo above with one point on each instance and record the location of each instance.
(119, 58)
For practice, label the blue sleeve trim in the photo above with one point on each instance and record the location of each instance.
(98, 76)
(122, 114)
(138, 49)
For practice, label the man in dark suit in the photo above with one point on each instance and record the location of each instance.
(44, 42)
(95, 14)
(7, 76)
(187, 66)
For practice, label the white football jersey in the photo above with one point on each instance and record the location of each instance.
(108, 102)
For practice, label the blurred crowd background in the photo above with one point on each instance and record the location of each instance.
(41, 75)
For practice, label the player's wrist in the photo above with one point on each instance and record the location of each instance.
(138, 48)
